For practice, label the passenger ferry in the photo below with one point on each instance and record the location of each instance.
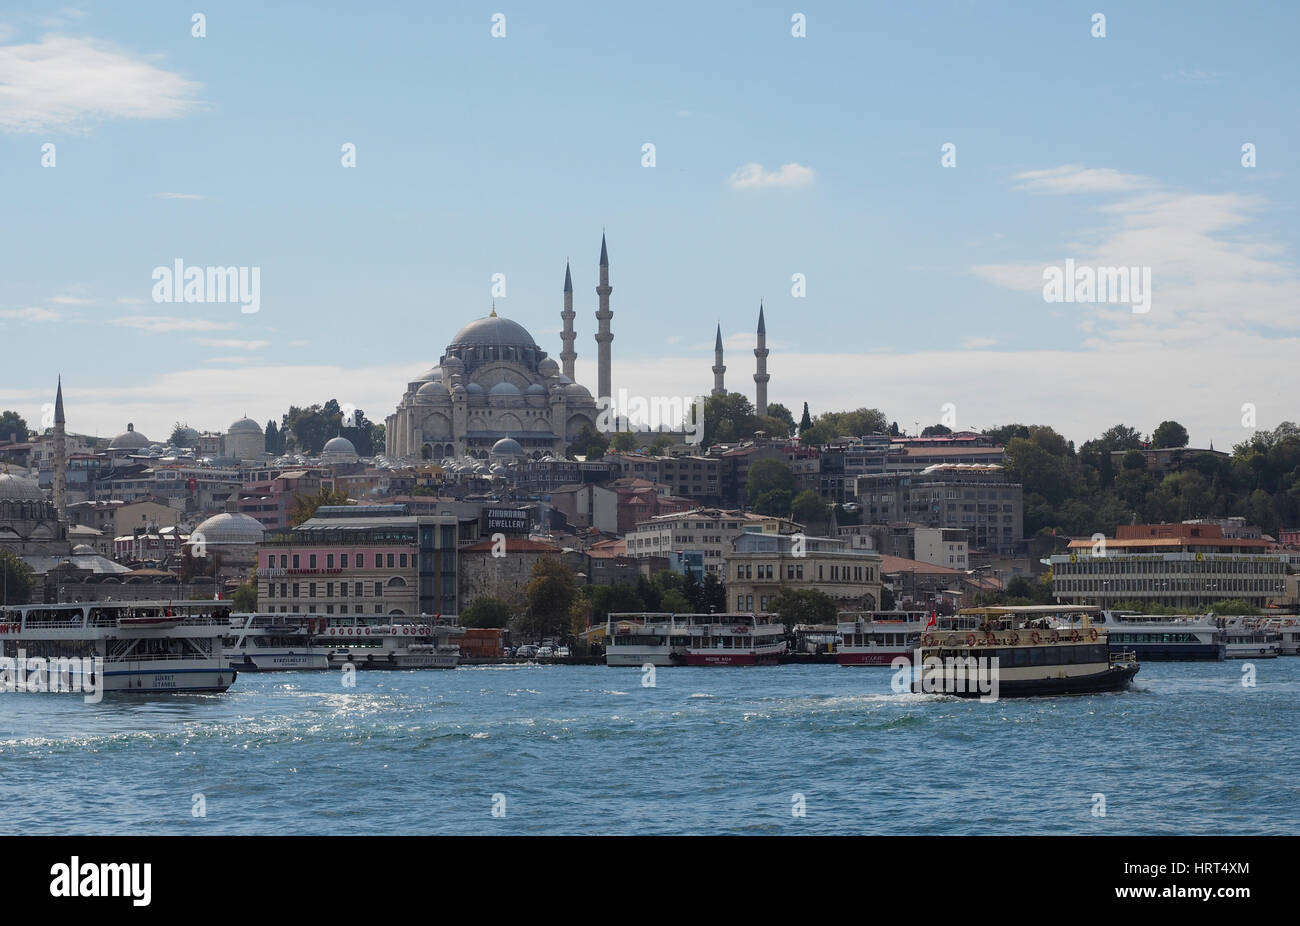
(734, 640)
(1038, 653)
(877, 638)
(276, 643)
(646, 639)
(1288, 631)
(146, 646)
(420, 643)
(1247, 639)
(1160, 637)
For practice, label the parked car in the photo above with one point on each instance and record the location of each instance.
(527, 651)
(546, 652)
(562, 651)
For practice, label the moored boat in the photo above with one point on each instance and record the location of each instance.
(412, 643)
(877, 638)
(734, 640)
(276, 642)
(639, 639)
(140, 647)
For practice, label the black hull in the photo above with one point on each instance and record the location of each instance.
(1113, 679)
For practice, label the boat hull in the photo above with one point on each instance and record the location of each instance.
(279, 662)
(732, 659)
(1115, 678)
(880, 657)
(395, 661)
(169, 680)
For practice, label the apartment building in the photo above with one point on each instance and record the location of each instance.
(759, 565)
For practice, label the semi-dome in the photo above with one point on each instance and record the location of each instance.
(548, 367)
(245, 426)
(577, 391)
(229, 528)
(504, 388)
(507, 447)
(433, 387)
(493, 331)
(475, 389)
(15, 488)
(130, 439)
(535, 389)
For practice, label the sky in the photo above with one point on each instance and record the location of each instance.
(776, 158)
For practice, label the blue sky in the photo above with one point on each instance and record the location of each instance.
(479, 155)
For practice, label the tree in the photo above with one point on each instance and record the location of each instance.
(549, 594)
(611, 598)
(775, 503)
(674, 602)
(936, 430)
(13, 425)
(487, 611)
(274, 439)
(808, 508)
(802, 606)
(713, 594)
(1169, 434)
(623, 441)
(728, 418)
(769, 476)
(177, 437)
(815, 435)
(589, 444)
(856, 423)
(17, 581)
(245, 596)
(304, 506)
(805, 421)
(777, 411)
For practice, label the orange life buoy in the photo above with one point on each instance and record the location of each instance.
(1092, 634)
(1035, 638)
(991, 639)
(1074, 636)
(928, 639)
(970, 639)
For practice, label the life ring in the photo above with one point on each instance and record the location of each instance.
(970, 639)
(367, 631)
(1034, 638)
(991, 639)
(1074, 636)
(927, 640)
(1092, 635)
(952, 639)
(1014, 638)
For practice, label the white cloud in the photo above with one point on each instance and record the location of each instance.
(178, 196)
(62, 82)
(234, 343)
(32, 314)
(158, 324)
(978, 343)
(72, 300)
(1073, 178)
(753, 177)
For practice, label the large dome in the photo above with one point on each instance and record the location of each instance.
(339, 445)
(130, 439)
(15, 488)
(493, 331)
(245, 426)
(230, 527)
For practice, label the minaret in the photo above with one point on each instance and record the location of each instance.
(603, 334)
(60, 457)
(718, 368)
(760, 375)
(568, 354)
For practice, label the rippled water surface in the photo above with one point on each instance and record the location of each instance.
(589, 750)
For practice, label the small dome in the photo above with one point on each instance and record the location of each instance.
(83, 549)
(433, 387)
(535, 389)
(130, 439)
(14, 488)
(339, 445)
(548, 367)
(507, 447)
(504, 389)
(573, 390)
(229, 527)
(245, 426)
(475, 389)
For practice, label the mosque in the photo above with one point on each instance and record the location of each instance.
(495, 385)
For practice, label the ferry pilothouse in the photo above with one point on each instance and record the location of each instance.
(734, 640)
(877, 638)
(276, 642)
(646, 639)
(403, 643)
(1038, 652)
(146, 646)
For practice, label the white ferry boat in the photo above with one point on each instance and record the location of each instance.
(877, 638)
(1288, 631)
(146, 646)
(418, 643)
(641, 639)
(1039, 652)
(1159, 637)
(1247, 639)
(734, 640)
(276, 643)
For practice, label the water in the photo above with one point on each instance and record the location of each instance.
(588, 750)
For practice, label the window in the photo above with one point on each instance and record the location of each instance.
(329, 560)
(343, 561)
(311, 561)
(296, 564)
(284, 561)
(295, 589)
(361, 561)
(329, 589)
(390, 561)
(379, 589)
(401, 560)
(311, 590)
